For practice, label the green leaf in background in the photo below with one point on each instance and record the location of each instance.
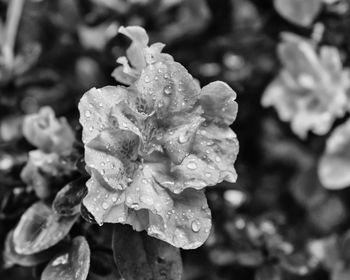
(139, 256)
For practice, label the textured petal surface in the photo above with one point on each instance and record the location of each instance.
(182, 220)
(94, 108)
(218, 102)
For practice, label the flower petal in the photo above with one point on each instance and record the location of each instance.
(94, 108)
(178, 140)
(218, 147)
(218, 102)
(169, 87)
(136, 51)
(334, 165)
(48, 133)
(103, 202)
(182, 220)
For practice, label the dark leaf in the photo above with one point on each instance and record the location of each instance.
(68, 199)
(12, 257)
(139, 256)
(72, 264)
(39, 229)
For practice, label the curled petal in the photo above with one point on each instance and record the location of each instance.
(103, 202)
(334, 164)
(178, 141)
(218, 102)
(182, 220)
(48, 133)
(94, 108)
(168, 87)
(124, 73)
(218, 147)
(136, 52)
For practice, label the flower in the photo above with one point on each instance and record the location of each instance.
(333, 168)
(152, 147)
(310, 90)
(48, 133)
(46, 173)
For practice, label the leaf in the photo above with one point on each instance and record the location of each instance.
(12, 257)
(298, 12)
(72, 264)
(102, 267)
(39, 229)
(139, 256)
(68, 199)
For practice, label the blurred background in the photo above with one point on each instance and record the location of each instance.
(277, 221)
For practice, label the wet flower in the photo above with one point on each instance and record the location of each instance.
(151, 148)
(48, 133)
(310, 90)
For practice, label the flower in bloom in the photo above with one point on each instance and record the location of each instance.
(152, 147)
(48, 133)
(334, 164)
(310, 90)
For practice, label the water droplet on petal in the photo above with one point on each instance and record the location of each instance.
(87, 114)
(105, 205)
(167, 90)
(192, 165)
(196, 226)
(147, 79)
(182, 139)
(217, 159)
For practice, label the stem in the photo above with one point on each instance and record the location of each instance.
(14, 12)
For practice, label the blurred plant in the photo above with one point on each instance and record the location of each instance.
(334, 164)
(310, 91)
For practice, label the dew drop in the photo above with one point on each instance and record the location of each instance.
(196, 226)
(167, 90)
(182, 139)
(105, 205)
(192, 165)
(147, 79)
(217, 159)
(87, 114)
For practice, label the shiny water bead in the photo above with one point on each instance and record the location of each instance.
(192, 165)
(196, 226)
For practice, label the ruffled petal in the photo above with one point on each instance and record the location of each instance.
(106, 204)
(125, 74)
(112, 153)
(168, 87)
(178, 140)
(182, 220)
(218, 102)
(136, 51)
(334, 164)
(218, 147)
(94, 108)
